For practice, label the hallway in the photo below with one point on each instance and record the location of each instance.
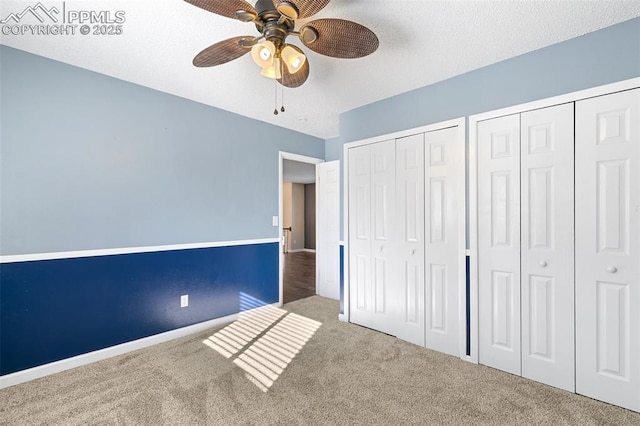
(299, 275)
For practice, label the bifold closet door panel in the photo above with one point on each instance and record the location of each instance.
(547, 240)
(372, 230)
(408, 288)
(499, 243)
(608, 248)
(384, 234)
(360, 283)
(444, 189)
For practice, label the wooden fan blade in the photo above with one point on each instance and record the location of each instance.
(340, 38)
(297, 79)
(221, 52)
(223, 7)
(306, 8)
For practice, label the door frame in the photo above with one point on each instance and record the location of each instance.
(473, 180)
(301, 159)
(462, 224)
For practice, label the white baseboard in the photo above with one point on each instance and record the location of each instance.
(88, 358)
(342, 317)
(300, 250)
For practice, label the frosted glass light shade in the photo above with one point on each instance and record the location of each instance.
(263, 53)
(272, 71)
(293, 58)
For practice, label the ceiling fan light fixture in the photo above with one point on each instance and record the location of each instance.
(272, 71)
(293, 58)
(263, 53)
(275, 20)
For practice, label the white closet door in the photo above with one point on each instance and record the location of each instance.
(499, 243)
(383, 232)
(328, 229)
(360, 283)
(608, 248)
(547, 284)
(409, 287)
(372, 234)
(444, 185)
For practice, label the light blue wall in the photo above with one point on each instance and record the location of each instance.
(606, 56)
(332, 149)
(88, 161)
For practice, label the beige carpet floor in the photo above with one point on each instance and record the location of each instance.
(344, 374)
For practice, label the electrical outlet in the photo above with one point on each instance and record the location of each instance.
(184, 300)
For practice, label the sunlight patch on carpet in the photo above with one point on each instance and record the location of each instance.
(238, 334)
(276, 338)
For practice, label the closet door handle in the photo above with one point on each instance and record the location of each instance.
(612, 269)
(413, 251)
(380, 249)
(543, 263)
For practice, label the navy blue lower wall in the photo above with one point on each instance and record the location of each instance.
(56, 309)
(468, 303)
(341, 279)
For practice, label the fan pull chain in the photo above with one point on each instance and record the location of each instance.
(275, 103)
(275, 82)
(282, 99)
(282, 90)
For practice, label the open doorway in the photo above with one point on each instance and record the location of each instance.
(298, 226)
(299, 230)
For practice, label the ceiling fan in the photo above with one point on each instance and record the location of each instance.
(275, 21)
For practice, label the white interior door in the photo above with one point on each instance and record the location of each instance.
(328, 229)
(444, 189)
(499, 243)
(547, 246)
(372, 234)
(608, 248)
(408, 289)
(383, 232)
(360, 285)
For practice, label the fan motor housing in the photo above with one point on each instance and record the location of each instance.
(275, 27)
(276, 33)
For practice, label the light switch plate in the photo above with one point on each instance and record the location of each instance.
(184, 300)
(274, 220)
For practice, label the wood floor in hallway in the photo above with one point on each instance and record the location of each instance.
(299, 275)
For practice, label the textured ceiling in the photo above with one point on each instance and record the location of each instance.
(421, 42)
